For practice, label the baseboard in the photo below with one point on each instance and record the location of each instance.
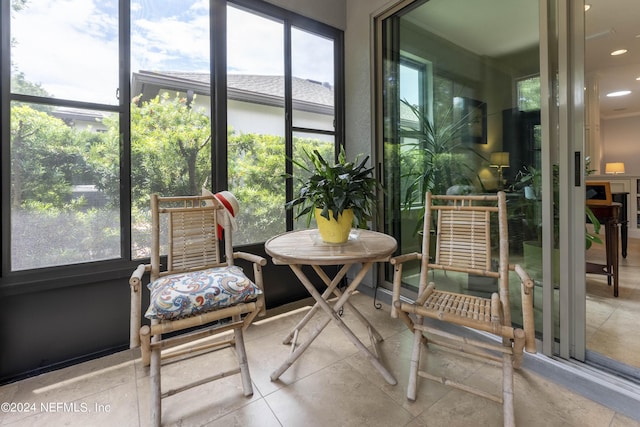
(63, 364)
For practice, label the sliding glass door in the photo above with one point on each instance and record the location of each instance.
(460, 112)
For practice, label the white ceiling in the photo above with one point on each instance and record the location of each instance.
(611, 25)
(498, 27)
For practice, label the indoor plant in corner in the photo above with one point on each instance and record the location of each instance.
(338, 195)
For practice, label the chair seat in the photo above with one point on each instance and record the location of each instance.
(461, 305)
(186, 294)
(461, 309)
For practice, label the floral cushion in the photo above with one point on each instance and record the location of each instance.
(184, 294)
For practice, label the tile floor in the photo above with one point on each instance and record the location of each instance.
(332, 384)
(612, 322)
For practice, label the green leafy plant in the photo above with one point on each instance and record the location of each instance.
(344, 185)
(438, 158)
(529, 182)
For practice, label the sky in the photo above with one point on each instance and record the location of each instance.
(70, 47)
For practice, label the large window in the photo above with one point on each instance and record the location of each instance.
(121, 99)
(64, 134)
(170, 107)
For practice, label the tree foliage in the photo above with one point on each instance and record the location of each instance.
(45, 158)
(170, 147)
(170, 154)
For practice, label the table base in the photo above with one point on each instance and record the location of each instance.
(332, 312)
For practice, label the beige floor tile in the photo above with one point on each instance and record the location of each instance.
(458, 408)
(50, 390)
(337, 395)
(256, 414)
(611, 321)
(201, 404)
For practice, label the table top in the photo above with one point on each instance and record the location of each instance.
(306, 247)
(606, 212)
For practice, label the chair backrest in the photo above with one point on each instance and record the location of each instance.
(464, 237)
(186, 228)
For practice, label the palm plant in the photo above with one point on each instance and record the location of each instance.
(438, 154)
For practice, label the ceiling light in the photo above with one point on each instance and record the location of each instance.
(637, 78)
(619, 93)
(618, 52)
(587, 7)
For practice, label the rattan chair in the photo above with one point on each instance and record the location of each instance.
(201, 293)
(464, 244)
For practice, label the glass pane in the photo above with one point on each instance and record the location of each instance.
(312, 69)
(255, 115)
(66, 55)
(170, 109)
(65, 186)
(453, 121)
(308, 142)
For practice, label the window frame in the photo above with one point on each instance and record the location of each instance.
(23, 281)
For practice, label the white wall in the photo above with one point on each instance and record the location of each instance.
(621, 143)
(358, 75)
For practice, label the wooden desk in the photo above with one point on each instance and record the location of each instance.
(298, 248)
(608, 215)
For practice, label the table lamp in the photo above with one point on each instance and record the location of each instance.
(499, 160)
(614, 168)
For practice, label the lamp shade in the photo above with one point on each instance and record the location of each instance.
(614, 168)
(500, 159)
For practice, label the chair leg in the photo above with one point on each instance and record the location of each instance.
(154, 375)
(242, 361)
(145, 345)
(414, 365)
(507, 391)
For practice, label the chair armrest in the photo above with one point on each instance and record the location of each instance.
(250, 257)
(405, 257)
(527, 286)
(135, 320)
(136, 277)
(258, 263)
(526, 280)
(397, 277)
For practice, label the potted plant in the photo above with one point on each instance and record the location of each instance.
(337, 195)
(529, 183)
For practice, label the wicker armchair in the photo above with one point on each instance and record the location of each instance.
(198, 289)
(463, 229)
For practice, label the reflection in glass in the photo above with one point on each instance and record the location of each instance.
(449, 103)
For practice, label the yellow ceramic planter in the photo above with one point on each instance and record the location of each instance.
(332, 231)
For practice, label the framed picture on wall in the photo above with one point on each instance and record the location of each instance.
(471, 115)
(598, 193)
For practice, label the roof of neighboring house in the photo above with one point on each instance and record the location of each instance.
(308, 95)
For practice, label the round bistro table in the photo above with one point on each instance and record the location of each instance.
(299, 248)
